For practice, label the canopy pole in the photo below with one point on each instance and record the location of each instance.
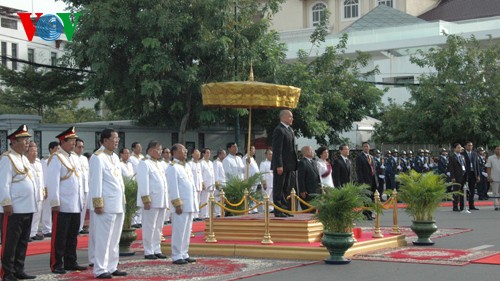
(247, 174)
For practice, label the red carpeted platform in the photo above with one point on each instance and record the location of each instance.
(494, 259)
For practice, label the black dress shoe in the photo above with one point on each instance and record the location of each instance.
(37, 237)
(47, 234)
(190, 260)
(160, 256)
(75, 267)
(119, 273)
(456, 210)
(150, 257)
(289, 215)
(91, 264)
(84, 231)
(23, 275)
(496, 209)
(280, 215)
(180, 261)
(105, 275)
(59, 271)
(474, 208)
(9, 278)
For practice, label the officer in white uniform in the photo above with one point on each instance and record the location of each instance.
(40, 192)
(253, 169)
(65, 194)
(233, 164)
(108, 202)
(84, 172)
(135, 159)
(46, 208)
(18, 201)
(153, 198)
(220, 177)
(197, 177)
(182, 194)
(125, 164)
(208, 184)
(267, 177)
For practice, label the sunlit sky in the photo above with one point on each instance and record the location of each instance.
(43, 6)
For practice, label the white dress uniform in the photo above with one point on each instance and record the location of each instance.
(267, 178)
(107, 191)
(46, 209)
(207, 173)
(84, 172)
(152, 188)
(127, 169)
(135, 159)
(37, 172)
(197, 179)
(181, 192)
(220, 179)
(252, 170)
(233, 166)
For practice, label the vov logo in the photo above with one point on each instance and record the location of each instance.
(49, 27)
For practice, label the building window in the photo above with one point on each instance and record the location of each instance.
(14, 56)
(318, 13)
(53, 58)
(385, 2)
(175, 138)
(9, 23)
(4, 53)
(31, 55)
(351, 9)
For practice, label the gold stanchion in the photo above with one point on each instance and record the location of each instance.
(395, 227)
(211, 235)
(377, 233)
(222, 201)
(245, 194)
(293, 194)
(267, 236)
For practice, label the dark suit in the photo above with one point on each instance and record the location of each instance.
(308, 179)
(367, 174)
(390, 172)
(341, 172)
(472, 172)
(284, 155)
(457, 175)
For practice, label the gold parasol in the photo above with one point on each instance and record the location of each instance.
(249, 94)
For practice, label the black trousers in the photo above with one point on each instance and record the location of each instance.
(471, 180)
(65, 228)
(282, 186)
(458, 199)
(16, 230)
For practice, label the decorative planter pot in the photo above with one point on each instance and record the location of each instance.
(127, 237)
(424, 230)
(337, 244)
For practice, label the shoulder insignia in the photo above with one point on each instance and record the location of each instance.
(172, 163)
(98, 152)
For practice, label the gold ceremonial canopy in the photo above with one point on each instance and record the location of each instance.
(250, 94)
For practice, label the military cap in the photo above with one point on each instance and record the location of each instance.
(67, 134)
(420, 151)
(376, 151)
(388, 152)
(403, 152)
(443, 150)
(427, 151)
(21, 132)
(480, 148)
(394, 151)
(410, 152)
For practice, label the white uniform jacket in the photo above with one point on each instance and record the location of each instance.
(135, 160)
(152, 184)
(197, 178)
(207, 173)
(17, 185)
(267, 173)
(37, 171)
(219, 174)
(181, 190)
(233, 166)
(253, 169)
(84, 168)
(64, 182)
(105, 182)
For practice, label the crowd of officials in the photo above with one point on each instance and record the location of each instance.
(52, 197)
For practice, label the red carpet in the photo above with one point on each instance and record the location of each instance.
(43, 247)
(494, 259)
(425, 255)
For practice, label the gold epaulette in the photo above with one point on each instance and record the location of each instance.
(177, 202)
(55, 203)
(146, 199)
(98, 202)
(172, 163)
(98, 152)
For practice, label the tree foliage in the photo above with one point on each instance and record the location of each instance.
(457, 102)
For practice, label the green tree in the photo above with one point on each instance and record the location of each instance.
(36, 90)
(151, 57)
(456, 102)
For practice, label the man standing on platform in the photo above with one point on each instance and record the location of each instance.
(309, 181)
(284, 162)
(207, 173)
(65, 194)
(182, 194)
(232, 163)
(267, 177)
(153, 198)
(106, 216)
(220, 178)
(342, 167)
(17, 198)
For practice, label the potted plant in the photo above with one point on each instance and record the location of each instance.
(338, 209)
(128, 233)
(234, 190)
(422, 193)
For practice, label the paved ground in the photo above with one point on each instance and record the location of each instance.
(485, 235)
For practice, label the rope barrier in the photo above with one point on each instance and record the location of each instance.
(234, 205)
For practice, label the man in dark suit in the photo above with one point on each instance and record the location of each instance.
(284, 162)
(308, 176)
(342, 167)
(367, 172)
(456, 167)
(472, 172)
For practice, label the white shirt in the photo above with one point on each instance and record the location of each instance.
(233, 166)
(322, 169)
(151, 181)
(219, 173)
(207, 173)
(84, 170)
(267, 173)
(494, 164)
(196, 170)
(181, 187)
(37, 172)
(127, 169)
(135, 159)
(254, 168)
